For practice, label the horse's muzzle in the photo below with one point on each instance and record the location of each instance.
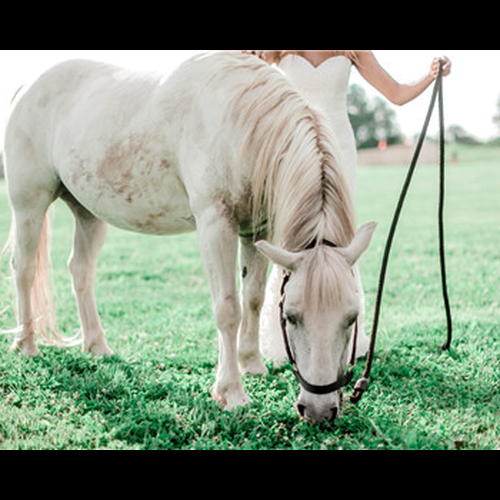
(314, 415)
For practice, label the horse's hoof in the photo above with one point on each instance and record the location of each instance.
(231, 400)
(27, 348)
(253, 367)
(99, 350)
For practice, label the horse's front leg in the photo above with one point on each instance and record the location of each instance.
(254, 268)
(218, 246)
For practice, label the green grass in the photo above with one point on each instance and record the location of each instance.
(154, 302)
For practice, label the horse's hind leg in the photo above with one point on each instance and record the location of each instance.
(29, 224)
(89, 237)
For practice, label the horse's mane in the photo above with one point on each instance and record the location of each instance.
(291, 158)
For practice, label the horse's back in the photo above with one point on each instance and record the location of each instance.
(39, 97)
(39, 108)
(139, 150)
(96, 130)
(28, 132)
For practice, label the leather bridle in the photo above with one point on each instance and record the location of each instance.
(319, 390)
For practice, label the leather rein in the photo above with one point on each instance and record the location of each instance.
(362, 384)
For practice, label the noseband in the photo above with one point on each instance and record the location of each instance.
(319, 390)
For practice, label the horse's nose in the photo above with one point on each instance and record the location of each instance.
(310, 413)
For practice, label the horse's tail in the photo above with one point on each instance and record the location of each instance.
(6, 251)
(42, 300)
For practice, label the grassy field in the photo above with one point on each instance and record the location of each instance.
(154, 302)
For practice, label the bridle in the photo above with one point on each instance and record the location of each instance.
(319, 390)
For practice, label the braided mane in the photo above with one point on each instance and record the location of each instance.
(290, 155)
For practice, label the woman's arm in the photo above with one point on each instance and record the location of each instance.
(398, 94)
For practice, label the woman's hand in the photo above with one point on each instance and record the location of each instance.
(435, 67)
(258, 53)
(269, 56)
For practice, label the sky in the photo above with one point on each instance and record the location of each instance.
(471, 92)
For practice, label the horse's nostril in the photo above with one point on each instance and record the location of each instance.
(335, 412)
(301, 409)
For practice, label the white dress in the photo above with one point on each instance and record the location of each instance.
(326, 88)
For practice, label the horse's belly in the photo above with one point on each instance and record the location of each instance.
(167, 217)
(152, 202)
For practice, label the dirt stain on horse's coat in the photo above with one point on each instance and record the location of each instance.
(114, 168)
(116, 171)
(126, 157)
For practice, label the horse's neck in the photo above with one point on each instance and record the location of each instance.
(316, 206)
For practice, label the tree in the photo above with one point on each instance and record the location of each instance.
(459, 135)
(360, 114)
(372, 121)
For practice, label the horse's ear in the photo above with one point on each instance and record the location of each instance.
(360, 243)
(287, 260)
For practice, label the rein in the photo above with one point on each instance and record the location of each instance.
(363, 383)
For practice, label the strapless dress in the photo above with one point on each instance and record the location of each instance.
(326, 87)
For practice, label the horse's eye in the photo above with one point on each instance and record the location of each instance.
(292, 319)
(351, 319)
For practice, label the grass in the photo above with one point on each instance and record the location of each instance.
(154, 302)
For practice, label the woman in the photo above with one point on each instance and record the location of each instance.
(322, 76)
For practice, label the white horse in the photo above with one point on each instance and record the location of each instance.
(224, 146)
